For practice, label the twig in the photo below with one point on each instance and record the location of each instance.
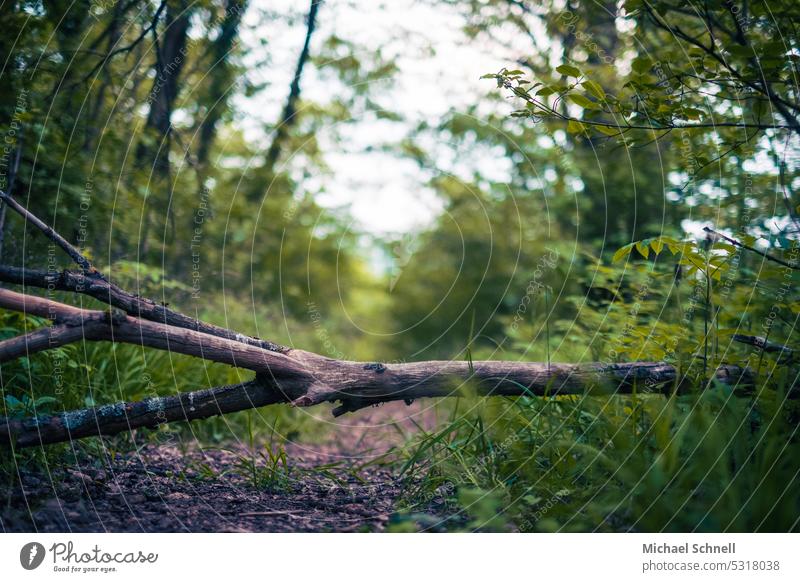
(124, 49)
(74, 253)
(742, 245)
(270, 514)
(12, 181)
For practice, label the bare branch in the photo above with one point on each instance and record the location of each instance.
(122, 417)
(127, 48)
(98, 325)
(50, 233)
(95, 285)
(46, 338)
(763, 344)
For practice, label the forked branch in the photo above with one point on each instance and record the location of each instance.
(285, 375)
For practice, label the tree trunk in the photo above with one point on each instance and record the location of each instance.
(289, 113)
(357, 385)
(171, 52)
(219, 77)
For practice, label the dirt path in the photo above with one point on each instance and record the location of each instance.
(164, 489)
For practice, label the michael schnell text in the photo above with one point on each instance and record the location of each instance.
(686, 548)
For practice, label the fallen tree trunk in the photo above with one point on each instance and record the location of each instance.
(288, 375)
(368, 384)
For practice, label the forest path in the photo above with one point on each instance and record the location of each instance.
(340, 484)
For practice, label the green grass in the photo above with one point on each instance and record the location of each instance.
(712, 460)
(704, 462)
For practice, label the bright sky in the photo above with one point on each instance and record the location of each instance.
(439, 71)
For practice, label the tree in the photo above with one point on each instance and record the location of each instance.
(714, 80)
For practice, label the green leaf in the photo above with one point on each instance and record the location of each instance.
(582, 101)
(740, 51)
(12, 401)
(568, 71)
(43, 400)
(644, 248)
(575, 127)
(691, 113)
(641, 65)
(723, 246)
(595, 89)
(622, 253)
(657, 245)
(610, 131)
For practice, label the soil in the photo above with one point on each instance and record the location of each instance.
(323, 487)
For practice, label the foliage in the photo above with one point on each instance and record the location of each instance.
(702, 462)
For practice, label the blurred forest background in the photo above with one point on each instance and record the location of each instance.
(338, 177)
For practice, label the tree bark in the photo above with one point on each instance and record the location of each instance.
(74, 324)
(360, 385)
(116, 418)
(153, 152)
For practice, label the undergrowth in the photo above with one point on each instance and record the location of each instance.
(708, 457)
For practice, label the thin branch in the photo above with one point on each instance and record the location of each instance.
(764, 88)
(97, 286)
(119, 11)
(12, 182)
(626, 126)
(74, 253)
(127, 48)
(719, 158)
(741, 245)
(46, 338)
